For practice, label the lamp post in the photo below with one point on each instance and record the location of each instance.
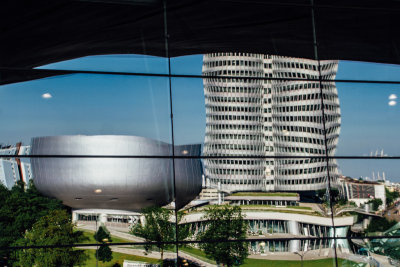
(97, 249)
(301, 254)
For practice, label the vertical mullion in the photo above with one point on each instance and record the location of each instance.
(315, 44)
(166, 40)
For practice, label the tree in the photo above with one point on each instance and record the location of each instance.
(55, 228)
(102, 235)
(104, 252)
(376, 202)
(20, 208)
(391, 196)
(378, 224)
(224, 223)
(158, 227)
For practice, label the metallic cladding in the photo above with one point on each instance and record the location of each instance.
(115, 183)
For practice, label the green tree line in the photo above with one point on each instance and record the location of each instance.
(29, 218)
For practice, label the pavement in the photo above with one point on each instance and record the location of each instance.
(114, 231)
(383, 260)
(154, 254)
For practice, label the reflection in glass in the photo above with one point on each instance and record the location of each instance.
(255, 117)
(372, 200)
(367, 71)
(252, 127)
(86, 104)
(376, 251)
(128, 63)
(370, 121)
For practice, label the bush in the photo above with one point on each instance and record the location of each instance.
(102, 236)
(378, 224)
(391, 196)
(376, 202)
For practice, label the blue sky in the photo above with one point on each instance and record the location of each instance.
(138, 105)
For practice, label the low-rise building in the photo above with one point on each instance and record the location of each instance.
(282, 218)
(13, 169)
(361, 191)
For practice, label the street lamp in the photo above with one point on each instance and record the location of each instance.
(97, 249)
(301, 254)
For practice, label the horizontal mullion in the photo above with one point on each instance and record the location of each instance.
(184, 242)
(54, 72)
(199, 157)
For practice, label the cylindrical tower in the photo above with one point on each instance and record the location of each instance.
(283, 117)
(234, 120)
(297, 122)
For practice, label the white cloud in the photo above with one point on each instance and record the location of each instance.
(47, 96)
(392, 97)
(392, 103)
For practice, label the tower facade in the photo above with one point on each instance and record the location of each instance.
(269, 120)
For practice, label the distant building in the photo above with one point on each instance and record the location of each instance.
(360, 191)
(14, 169)
(248, 114)
(209, 193)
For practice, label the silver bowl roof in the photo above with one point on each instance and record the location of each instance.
(138, 173)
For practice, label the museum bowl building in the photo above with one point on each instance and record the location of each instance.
(113, 172)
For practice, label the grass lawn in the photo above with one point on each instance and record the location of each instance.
(308, 263)
(271, 206)
(283, 210)
(274, 263)
(117, 257)
(89, 234)
(196, 253)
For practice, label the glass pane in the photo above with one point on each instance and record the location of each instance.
(375, 252)
(370, 201)
(187, 65)
(367, 71)
(367, 123)
(189, 110)
(250, 119)
(91, 106)
(368, 190)
(129, 63)
(188, 174)
(92, 192)
(109, 136)
(286, 200)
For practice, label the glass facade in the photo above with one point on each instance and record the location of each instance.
(232, 157)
